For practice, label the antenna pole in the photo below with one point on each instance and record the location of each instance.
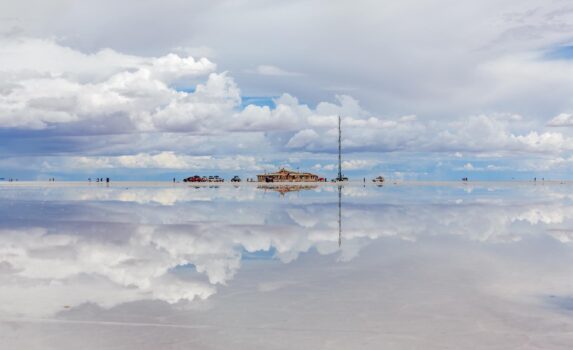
(339, 151)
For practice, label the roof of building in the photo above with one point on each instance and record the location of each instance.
(283, 171)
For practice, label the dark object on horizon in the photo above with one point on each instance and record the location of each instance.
(173, 180)
(464, 179)
(284, 175)
(107, 179)
(194, 178)
(197, 178)
(236, 178)
(378, 179)
(344, 178)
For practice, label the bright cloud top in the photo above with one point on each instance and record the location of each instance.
(178, 112)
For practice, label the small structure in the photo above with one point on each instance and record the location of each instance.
(284, 175)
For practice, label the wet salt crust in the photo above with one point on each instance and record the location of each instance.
(173, 266)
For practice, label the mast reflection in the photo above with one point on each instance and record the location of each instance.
(339, 215)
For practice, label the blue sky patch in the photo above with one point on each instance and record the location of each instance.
(259, 254)
(560, 53)
(188, 90)
(260, 101)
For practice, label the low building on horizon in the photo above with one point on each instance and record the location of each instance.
(284, 175)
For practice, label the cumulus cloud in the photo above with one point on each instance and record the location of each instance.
(563, 119)
(157, 111)
(67, 86)
(354, 164)
(164, 160)
(274, 71)
(481, 133)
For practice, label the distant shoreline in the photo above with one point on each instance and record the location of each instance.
(170, 184)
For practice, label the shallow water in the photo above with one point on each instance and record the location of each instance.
(409, 266)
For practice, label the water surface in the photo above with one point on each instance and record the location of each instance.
(172, 266)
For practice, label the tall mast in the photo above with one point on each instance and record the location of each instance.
(339, 151)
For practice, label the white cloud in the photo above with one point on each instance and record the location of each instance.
(163, 160)
(275, 71)
(46, 83)
(563, 119)
(354, 164)
(491, 57)
(142, 103)
(303, 138)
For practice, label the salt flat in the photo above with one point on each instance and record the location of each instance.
(218, 266)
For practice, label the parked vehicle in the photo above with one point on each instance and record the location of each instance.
(195, 178)
(378, 179)
(236, 179)
(210, 178)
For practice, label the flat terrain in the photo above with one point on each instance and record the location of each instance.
(407, 265)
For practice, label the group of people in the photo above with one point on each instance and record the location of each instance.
(99, 179)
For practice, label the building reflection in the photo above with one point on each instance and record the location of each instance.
(284, 189)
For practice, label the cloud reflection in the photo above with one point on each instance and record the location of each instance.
(111, 246)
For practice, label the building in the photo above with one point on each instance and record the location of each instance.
(284, 175)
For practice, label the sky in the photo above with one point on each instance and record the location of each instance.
(150, 90)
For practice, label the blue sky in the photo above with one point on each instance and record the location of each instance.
(480, 90)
